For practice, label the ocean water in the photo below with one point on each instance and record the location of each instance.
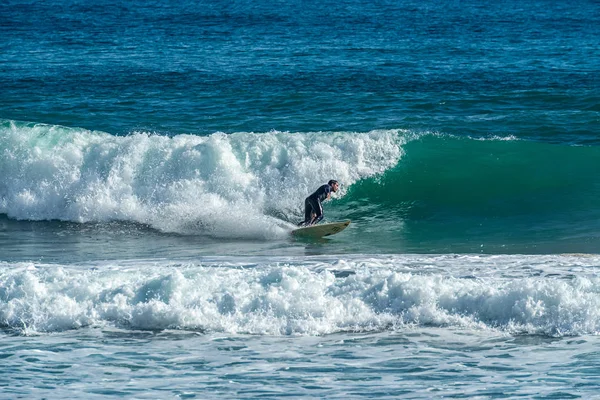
(155, 156)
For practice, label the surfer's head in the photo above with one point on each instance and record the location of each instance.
(334, 185)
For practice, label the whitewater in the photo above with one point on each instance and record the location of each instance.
(553, 296)
(220, 185)
(394, 326)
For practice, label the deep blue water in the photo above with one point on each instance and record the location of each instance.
(459, 67)
(154, 157)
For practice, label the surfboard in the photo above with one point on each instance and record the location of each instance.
(321, 230)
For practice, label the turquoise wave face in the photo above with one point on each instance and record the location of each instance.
(497, 177)
(457, 194)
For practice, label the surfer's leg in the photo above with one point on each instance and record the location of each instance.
(318, 212)
(308, 211)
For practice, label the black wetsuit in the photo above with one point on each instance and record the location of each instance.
(312, 205)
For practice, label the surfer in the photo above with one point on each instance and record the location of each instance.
(313, 210)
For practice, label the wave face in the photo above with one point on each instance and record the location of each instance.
(495, 177)
(308, 296)
(465, 194)
(223, 185)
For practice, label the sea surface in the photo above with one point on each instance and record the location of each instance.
(155, 156)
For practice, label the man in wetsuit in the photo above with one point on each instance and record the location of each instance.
(313, 210)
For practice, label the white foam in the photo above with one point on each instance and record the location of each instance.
(308, 296)
(224, 185)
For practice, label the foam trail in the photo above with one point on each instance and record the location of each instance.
(299, 296)
(223, 185)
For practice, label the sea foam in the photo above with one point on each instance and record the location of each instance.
(224, 185)
(302, 296)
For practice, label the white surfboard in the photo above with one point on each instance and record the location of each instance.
(321, 230)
